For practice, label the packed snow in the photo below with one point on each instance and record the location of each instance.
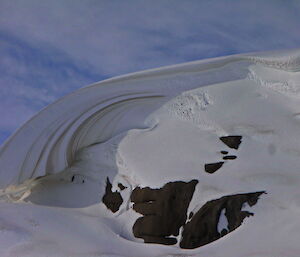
(148, 129)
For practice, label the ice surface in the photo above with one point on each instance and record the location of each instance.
(147, 129)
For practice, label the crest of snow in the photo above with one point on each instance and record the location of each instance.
(282, 82)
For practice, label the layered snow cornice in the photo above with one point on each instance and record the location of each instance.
(47, 143)
(197, 159)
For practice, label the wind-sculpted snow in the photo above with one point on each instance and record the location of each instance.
(199, 159)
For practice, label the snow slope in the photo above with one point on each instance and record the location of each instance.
(148, 129)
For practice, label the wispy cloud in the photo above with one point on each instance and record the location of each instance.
(31, 78)
(49, 48)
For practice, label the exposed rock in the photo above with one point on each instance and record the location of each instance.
(112, 200)
(77, 179)
(229, 157)
(232, 141)
(202, 229)
(224, 152)
(213, 167)
(121, 186)
(164, 210)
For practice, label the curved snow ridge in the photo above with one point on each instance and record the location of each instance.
(48, 143)
(283, 82)
(283, 60)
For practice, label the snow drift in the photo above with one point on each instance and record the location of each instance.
(198, 159)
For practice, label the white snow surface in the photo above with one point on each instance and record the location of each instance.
(147, 129)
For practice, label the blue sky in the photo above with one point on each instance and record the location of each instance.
(51, 48)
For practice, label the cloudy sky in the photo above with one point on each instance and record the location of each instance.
(52, 47)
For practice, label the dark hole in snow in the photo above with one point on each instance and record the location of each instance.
(164, 211)
(213, 167)
(224, 152)
(232, 141)
(112, 200)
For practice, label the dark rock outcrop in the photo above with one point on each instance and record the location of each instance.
(202, 229)
(213, 167)
(121, 186)
(112, 200)
(232, 141)
(229, 157)
(164, 210)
